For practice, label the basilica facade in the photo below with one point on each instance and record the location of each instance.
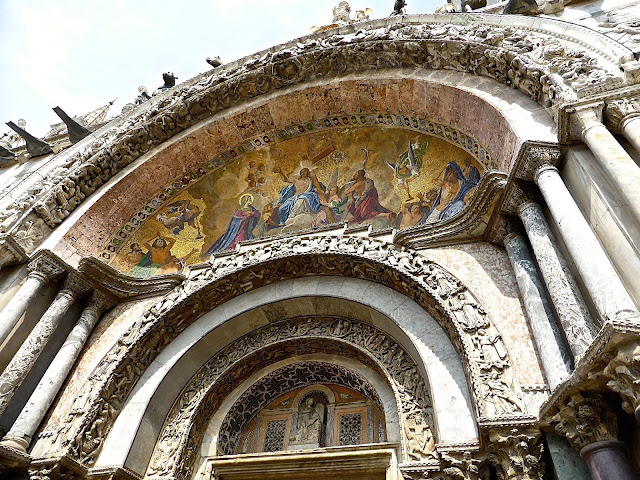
(398, 248)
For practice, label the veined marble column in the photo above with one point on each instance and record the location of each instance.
(41, 271)
(600, 278)
(614, 160)
(28, 353)
(624, 116)
(573, 315)
(591, 426)
(550, 342)
(21, 433)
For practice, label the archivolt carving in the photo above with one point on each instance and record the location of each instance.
(488, 368)
(541, 66)
(280, 382)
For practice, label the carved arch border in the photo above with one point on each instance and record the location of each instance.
(511, 55)
(181, 434)
(428, 284)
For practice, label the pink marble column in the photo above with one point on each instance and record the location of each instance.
(608, 461)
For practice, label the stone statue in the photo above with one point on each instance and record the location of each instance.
(214, 62)
(309, 424)
(398, 7)
(471, 5)
(342, 13)
(169, 80)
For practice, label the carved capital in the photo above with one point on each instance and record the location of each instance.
(465, 465)
(100, 302)
(623, 374)
(11, 253)
(517, 453)
(503, 227)
(534, 156)
(516, 199)
(585, 419)
(76, 285)
(574, 122)
(618, 111)
(47, 267)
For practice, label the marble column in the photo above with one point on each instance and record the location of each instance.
(596, 271)
(21, 433)
(24, 360)
(623, 172)
(590, 425)
(624, 116)
(572, 312)
(556, 361)
(40, 272)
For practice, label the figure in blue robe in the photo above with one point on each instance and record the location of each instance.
(240, 228)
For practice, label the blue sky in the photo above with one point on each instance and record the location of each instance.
(82, 54)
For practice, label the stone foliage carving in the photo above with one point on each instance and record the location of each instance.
(517, 454)
(173, 455)
(231, 275)
(541, 66)
(459, 464)
(586, 418)
(536, 155)
(280, 382)
(47, 267)
(623, 374)
(618, 110)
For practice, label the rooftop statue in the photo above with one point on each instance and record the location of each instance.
(342, 13)
(169, 80)
(398, 7)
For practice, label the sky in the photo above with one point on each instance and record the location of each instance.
(82, 54)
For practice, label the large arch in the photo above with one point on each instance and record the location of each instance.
(429, 285)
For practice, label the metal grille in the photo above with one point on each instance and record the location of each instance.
(350, 429)
(274, 436)
(381, 432)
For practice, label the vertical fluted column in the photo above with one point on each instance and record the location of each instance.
(623, 172)
(41, 270)
(555, 359)
(591, 426)
(624, 116)
(28, 353)
(572, 312)
(21, 433)
(596, 271)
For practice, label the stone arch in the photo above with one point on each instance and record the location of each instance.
(231, 275)
(182, 432)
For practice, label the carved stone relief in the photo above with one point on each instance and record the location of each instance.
(228, 276)
(618, 110)
(517, 454)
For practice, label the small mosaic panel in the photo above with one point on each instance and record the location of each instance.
(350, 430)
(274, 436)
(387, 171)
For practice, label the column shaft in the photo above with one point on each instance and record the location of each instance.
(34, 411)
(556, 361)
(572, 313)
(32, 347)
(608, 461)
(631, 131)
(600, 278)
(614, 160)
(16, 307)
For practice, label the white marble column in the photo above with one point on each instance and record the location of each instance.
(24, 360)
(21, 433)
(573, 315)
(623, 172)
(596, 271)
(624, 116)
(41, 271)
(555, 359)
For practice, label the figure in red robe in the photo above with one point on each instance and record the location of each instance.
(364, 199)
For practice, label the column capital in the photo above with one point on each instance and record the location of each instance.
(503, 228)
(99, 302)
(586, 418)
(619, 111)
(47, 267)
(517, 453)
(75, 285)
(623, 375)
(11, 253)
(575, 121)
(536, 155)
(517, 198)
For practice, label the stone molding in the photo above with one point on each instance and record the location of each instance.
(479, 344)
(585, 419)
(548, 67)
(619, 111)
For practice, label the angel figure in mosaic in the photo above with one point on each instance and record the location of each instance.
(179, 214)
(333, 201)
(407, 168)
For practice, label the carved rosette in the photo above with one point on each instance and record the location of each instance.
(517, 454)
(546, 69)
(481, 349)
(585, 419)
(618, 111)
